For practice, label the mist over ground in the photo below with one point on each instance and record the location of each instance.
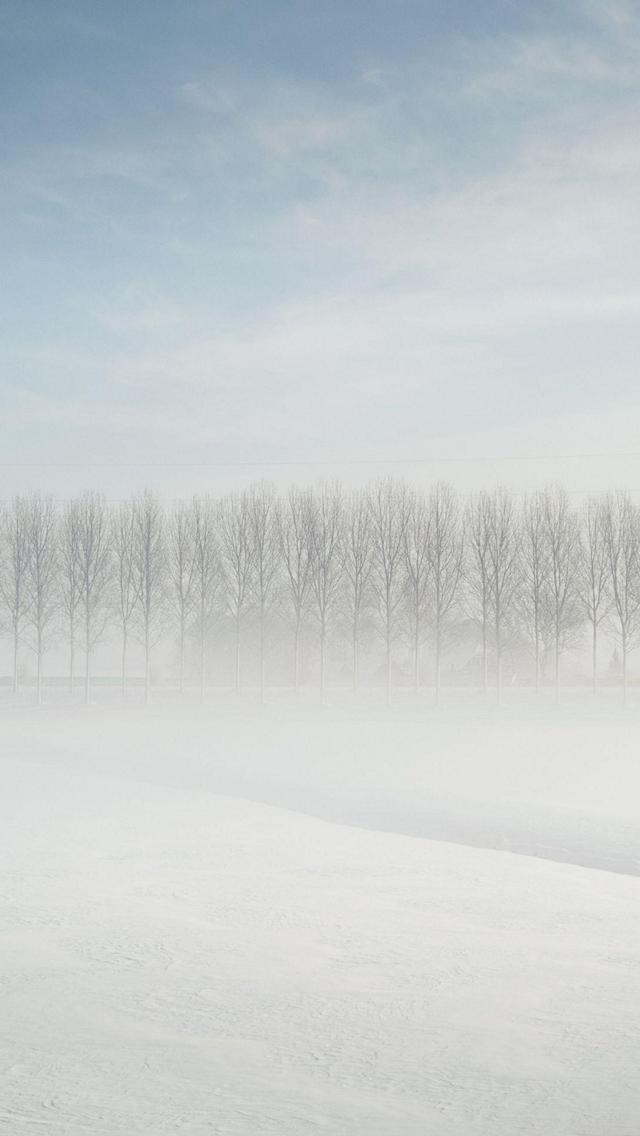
(554, 782)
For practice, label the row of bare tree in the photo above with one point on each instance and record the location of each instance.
(415, 565)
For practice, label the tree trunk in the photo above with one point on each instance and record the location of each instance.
(354, 657)
(123, 673)
(322, 661)
(203, 660)
(16, 682)
(72, 637)
(262, 682)
(147, 668)
(437, 667)
(296, 654)
(237, 679)
(498, 661)
(39, 674)
(557, 654)
(594, 656)
(87, 670)
(181, 679)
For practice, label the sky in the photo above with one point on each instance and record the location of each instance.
(304, 238)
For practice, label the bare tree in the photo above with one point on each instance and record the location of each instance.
(70, 576)
(235, 560)
(265, 559)
(180, 573)
(206, 574)
(326, 520)
(93, 550)
(593, 575)
(534, 600)
(150, 570)
(564, 549)
(356, 563)
(389, 508)
(42, 576)
(124, 538)
(478, 570)
(14, 574)
(296, 552)
(621, 535)
(385, 557)
(417, 567)
(503, 564)
(445, 550)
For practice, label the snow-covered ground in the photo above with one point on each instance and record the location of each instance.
(559, 784)
(174, 959)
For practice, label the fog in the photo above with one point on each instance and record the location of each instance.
(527, 777)
(319, 568)
(320, 812)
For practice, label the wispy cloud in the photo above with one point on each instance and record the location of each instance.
(271, 262)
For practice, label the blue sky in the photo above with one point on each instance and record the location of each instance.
(304, 235)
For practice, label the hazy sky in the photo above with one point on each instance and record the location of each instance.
(319, 231)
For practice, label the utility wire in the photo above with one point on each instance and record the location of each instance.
(290, 463)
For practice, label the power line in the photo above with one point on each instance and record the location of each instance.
(325, 462)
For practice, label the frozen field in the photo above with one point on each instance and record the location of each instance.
(192, 942)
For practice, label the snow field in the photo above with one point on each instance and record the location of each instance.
(178, 961)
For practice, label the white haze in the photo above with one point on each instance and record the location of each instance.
(319, 568)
